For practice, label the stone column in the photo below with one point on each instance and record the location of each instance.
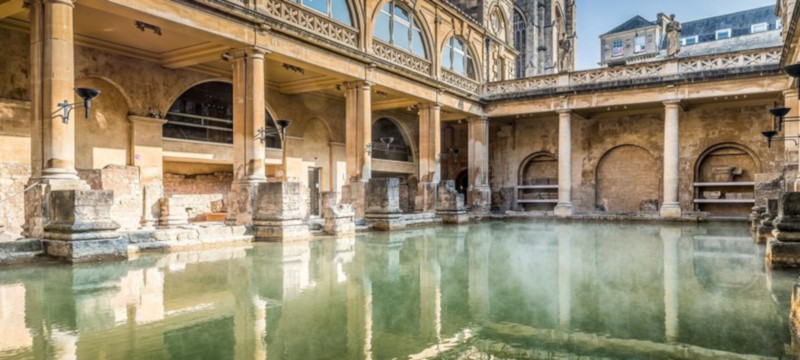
(791, 129)
(146, 146)
(671, 238)
(249, 115)
(671, 206)
(479, 194)
(358, 143)
(564, 206)
(430, 147)
(52, 82)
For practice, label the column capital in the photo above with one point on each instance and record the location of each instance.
(564, 111)
(357, 84)
(249, 51)
(429, 105)
(478, 119)
(672, 102)
(789, 93)
(70, 3)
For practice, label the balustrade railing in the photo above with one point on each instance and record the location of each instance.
(400, 57)
(308, 20)
(459, 81)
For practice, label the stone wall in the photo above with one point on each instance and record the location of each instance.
(124, 181)
(13, 178)
(202, 184)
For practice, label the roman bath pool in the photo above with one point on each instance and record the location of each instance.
(506, 290)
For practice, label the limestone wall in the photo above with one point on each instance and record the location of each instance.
(202, 184)
(128, 197)
(13, 178)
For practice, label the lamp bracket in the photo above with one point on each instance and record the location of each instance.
(67, 108)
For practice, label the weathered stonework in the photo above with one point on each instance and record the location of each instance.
(450, 204)
(278, 214)
(13, 178)
(353, 194)
(766, 224)
(754, 219)
(784, 249)
(173, 212)
(241, 203)
(383, 204)
(80, 227)
(338, 217)
(425, 200)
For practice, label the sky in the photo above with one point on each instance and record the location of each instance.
(596, 17)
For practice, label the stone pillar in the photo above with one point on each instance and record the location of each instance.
(383, 204)
(173, 213)
(790, 129)
(80, 227)
(358, 142)
(671, 206)
(784, 249)
(249, 115)
(564, 206)
(479, 194)
(766, 222)
(671, 238)
(278, 212)
(147, 154)
(430, 148)
(338, 217)
(450, 204)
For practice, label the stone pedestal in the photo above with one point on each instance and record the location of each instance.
(784, 249)
(278, 214)
(353, 194)
(173, 213)
(755, 217)
(450, 204)
(382, 199)
(37, 204)
(80, 227)
(241, 202)
(425, 201)
(151, 205)
(481, 200)
(766, 223)
(338, 217)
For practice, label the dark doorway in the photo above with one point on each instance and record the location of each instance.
(462, 181)
(313, 191)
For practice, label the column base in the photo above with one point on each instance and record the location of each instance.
(671, 210)
(425, 201)
(564, 210)
(782, 254)
(241, 203)
(87, 250)
(280, 230)
(353, 193)
(386, 222)
(480, 200)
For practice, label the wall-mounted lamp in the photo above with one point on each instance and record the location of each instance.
(87, 94)
(794, 71)
(282, 125)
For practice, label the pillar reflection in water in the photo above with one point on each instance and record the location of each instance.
(564, 235)
(13, 333)
(478, 247)
(671, 238)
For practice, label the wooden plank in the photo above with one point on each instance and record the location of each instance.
(539, 187)
(548, 201)
(740, 183)
(724, 201)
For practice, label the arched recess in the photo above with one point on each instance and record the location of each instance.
(400, 147)
(627, 179)
(458, 56)
(105, 137)
(723, 176)
(498, 22)
(538, 181)
(379, 17)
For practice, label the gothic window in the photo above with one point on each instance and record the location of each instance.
(456, 57)
(396, 25)
(334, 9)
(519, 43)
(205, 113)
(498, 24)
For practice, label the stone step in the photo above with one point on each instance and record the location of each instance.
(20, 251)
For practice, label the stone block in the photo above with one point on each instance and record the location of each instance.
(754, 219)
(80, 227)
(173, 213)
(353, 193)
(450, 204)
(480, 199)
(240, 202)
(425, 201)
(787, 223)
(766, 223)
(382, 197)
(278, 213)
(768, 186)
(338, 217)
(781, 254)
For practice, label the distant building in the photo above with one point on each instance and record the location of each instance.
(640, 40)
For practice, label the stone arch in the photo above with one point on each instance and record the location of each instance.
(715, 159)
(745, 152)
(427, 34)
(105, 137)
(495, 6)
(528, 171)
(403, 132)
(626, 177)
(473, 52)
(176, 92)
(113, 83)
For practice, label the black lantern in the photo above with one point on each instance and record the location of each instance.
(282, 125)
(87, 94)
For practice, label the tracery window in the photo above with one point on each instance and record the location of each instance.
(456, 57)
(519, 43)
(334, 9)
(498, 23)
(396, 25)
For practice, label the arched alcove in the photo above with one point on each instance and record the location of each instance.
(104, 138)
(390, 142)
(537, 181)
(724, 177)
(627, 180)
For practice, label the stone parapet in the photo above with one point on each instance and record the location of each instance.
(278, 212)
(338, 217)
(755, 217)
(382, 200)
(80, 227)
(450, 204)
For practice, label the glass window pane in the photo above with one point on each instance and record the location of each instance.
(458, 45)
(318, 5)
(446, 56)
(401, 14)
(458, 63)
(382, 27)
(470, 69)
(340, 12)
(419, 47)
(400, 37)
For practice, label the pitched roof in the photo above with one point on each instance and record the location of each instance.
(635, 22)
(738, 22)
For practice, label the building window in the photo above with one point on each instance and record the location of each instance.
(334, 9)
(456, 57)
(639, 44)
(519, 43)
(498, 24)
(757, 28)
(689, 40)
(397, 26)
(617, 49)
(723, 34)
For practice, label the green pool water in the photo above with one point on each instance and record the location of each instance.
(492, 290)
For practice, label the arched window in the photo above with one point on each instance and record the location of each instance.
(396, 25)
(334, 9)
(388, 142)
(456, 57)
(498, 24)
(205, 113)
(519, 43)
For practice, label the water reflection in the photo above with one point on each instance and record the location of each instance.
(516, 290)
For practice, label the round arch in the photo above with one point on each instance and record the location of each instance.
(627, 177)
(473, 52)
(722, 146)
(403, 132)
(427, 34)
(173, 96)
(530, 159)
(117, 86)
(106, 134)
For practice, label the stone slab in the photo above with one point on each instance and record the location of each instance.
(87, 250)
(782, 254)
